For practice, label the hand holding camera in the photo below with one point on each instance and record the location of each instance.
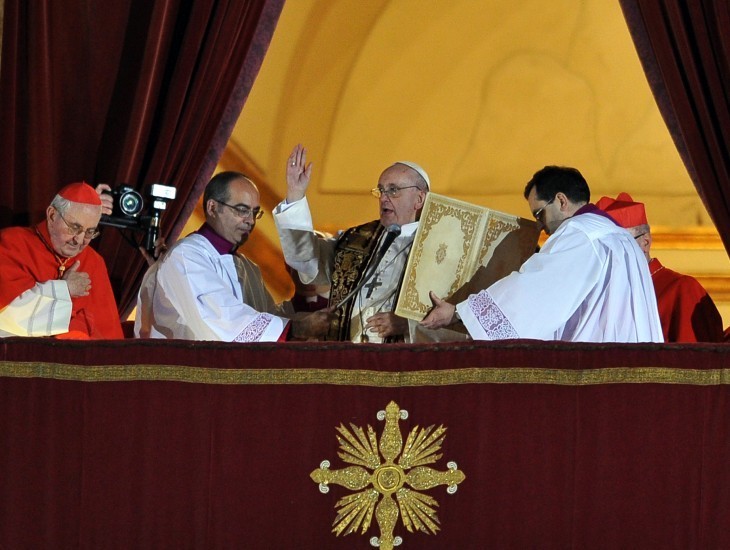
(124, 208)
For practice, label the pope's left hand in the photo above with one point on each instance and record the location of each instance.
(387, 324)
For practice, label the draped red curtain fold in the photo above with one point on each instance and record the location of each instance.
(133, 91)
(684, 48)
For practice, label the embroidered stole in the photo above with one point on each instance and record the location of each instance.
(354, 251)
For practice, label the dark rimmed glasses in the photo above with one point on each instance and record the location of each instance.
(242, 211)
(539, 212)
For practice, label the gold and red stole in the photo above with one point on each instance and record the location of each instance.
(354, 251)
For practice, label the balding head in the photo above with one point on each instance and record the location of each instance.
(231, 203)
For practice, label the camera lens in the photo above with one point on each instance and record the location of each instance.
(130, 203)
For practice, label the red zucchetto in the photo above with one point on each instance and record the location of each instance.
(81, 193)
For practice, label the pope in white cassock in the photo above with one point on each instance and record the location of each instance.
(589, 282)
(349, 263)
(202, 289)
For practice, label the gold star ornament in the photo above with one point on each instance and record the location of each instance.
(384, 470)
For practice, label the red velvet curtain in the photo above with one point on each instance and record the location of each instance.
(134, 91)
(685, 50)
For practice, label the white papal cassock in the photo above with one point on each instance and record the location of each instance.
(194, 293)
(313, 257)
(589, 283)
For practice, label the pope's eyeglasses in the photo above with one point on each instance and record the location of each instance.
(392, 191)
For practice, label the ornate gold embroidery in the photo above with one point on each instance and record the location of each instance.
(353, 253)
(454, 241)
(404, 464)
(469, 220)
(371, 378)
(498, 226)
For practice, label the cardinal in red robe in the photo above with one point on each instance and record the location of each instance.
(51, 282)
(686, 311)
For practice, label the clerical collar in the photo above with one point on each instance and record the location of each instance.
(221, 245)
(408, 229)
(593, 209)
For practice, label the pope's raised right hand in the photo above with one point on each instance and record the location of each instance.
(298, 174)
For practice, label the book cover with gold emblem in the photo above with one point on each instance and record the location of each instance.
(460, 248)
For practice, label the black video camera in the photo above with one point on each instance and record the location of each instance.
(128, 211)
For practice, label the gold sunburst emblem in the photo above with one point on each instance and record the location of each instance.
(402, 466)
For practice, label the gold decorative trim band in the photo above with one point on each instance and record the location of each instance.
(342, 377)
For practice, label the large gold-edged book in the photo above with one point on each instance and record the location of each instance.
(460, 248)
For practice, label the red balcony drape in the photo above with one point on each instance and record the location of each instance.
(171, 444)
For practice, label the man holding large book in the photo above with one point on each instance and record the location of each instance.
(589, 283)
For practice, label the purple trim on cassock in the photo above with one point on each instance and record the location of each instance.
(253, 331)
(495, 323)
(593, 209)
(221, 245)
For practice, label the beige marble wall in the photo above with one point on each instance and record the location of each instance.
(481, 94)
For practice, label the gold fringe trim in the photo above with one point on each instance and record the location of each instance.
(341, 377)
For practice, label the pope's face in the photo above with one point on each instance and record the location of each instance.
(68, 231)
(227, 220)
(404, 206)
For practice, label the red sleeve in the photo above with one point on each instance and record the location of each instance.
(687, 312)
(21, 266)
(96, 314)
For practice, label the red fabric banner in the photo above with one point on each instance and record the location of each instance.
(188, 445)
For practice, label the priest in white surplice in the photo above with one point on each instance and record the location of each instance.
(203, 290)
(589, 283)
(348, 261)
